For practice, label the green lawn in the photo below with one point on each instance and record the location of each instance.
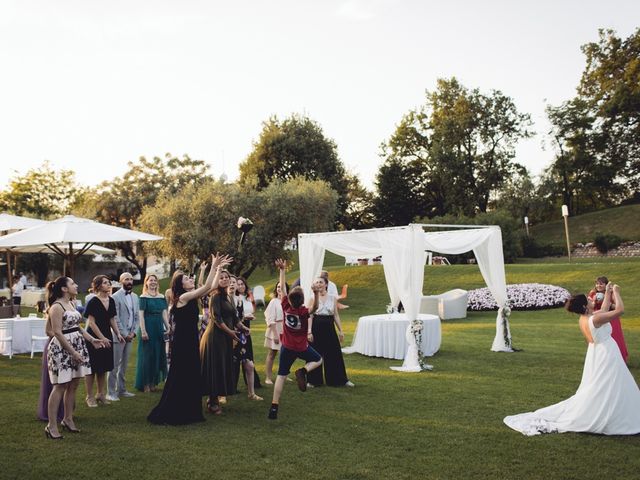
(441, 424)
(622, 221)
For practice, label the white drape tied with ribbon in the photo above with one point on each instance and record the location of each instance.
(403, 256)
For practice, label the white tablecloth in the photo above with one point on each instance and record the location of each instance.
(385, 335)
(22, 337)
(30, 298)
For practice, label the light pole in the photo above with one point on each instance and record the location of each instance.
(565, 214)
(526, 225)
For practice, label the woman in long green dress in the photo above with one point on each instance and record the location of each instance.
(152, 357)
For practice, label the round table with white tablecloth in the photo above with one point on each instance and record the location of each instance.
(22, 337)
(384, 335)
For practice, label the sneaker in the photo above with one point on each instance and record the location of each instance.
(349, 384)
(113, 398)
(273, 412)
(301, 378)
(126, 394)
(310, 385)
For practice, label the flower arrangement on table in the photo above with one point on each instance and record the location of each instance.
(521, 296)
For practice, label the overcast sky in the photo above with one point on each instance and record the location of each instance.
(90, 85)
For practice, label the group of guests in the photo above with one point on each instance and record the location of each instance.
(100, 352)
(205, 356)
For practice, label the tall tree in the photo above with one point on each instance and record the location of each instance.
(293, 147)
(596, 133)
(120, 201)
(455, 152)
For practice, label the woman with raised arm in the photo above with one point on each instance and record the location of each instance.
(216, 346)
(608, 399)
(181, 401)
(67, 355)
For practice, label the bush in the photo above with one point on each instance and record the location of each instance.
(522, 296)
(606, 242)
(532, 249)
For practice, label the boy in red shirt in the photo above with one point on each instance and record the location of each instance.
(295, 338)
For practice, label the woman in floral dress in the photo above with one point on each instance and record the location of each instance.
(67, 355)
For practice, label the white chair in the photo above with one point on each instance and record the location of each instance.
(447, 305)
(258, 295)
(6, 334)
(37, 326)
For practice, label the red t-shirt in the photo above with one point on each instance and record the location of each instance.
(295, 325)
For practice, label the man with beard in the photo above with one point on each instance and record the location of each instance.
(128, 318)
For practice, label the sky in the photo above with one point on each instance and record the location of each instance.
(90, 85)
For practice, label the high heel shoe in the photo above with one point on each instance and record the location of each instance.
(48, 434)
(68, 428)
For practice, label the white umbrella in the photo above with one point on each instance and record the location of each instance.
(10, 223)
(71, 230)
(13, 222)
(76, 247)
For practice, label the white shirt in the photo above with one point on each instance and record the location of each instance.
(17, 289)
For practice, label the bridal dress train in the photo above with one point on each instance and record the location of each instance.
(606, 402)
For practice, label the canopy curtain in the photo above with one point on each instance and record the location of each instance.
(486, 244)
(403, 253)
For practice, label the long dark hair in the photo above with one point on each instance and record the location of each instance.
(177, 288)
(222, 290)
(577, 304)
(54, 290)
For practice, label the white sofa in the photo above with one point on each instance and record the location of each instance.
(447, 305)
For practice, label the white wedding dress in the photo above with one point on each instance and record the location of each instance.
(607, 400)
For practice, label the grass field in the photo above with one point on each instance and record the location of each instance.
(622, 221)
(444, 424)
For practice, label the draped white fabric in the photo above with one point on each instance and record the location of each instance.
(486, 244)
(402, 250)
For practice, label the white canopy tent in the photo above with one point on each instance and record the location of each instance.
(403, 253)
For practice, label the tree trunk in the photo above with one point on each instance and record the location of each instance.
(250, 270)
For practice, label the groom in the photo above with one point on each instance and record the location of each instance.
(128, 318)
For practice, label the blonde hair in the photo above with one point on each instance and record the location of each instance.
(145, 289)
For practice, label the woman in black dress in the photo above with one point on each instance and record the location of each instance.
(181, 401)
(325, 340)
(101, 320)
(216, 345)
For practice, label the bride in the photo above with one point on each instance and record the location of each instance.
(608, 399)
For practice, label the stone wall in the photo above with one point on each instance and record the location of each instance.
(629, 249)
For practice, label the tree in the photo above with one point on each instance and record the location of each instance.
(42, 192)
(360, 205)
(295, 147)
(456, 151)
(120, 202)
(202, 219)
(596, 133)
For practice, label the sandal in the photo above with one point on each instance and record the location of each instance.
(255, 397)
